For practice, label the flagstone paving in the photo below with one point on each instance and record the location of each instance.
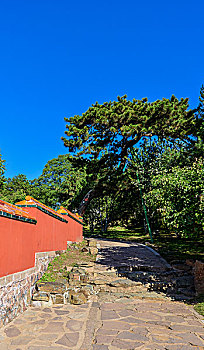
(109, 321)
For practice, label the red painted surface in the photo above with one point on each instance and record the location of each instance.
(75, 230)
(16, 246)
(50, 234)
(19, 241)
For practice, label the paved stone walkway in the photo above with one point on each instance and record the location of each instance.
(110, 321)
(120, 255)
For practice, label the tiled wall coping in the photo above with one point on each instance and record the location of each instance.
(56, 216)
(17, 217)
(73, 217)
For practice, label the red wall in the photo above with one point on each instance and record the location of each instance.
(75, 230)
(53, 234)
(50, 234)
(16, 246)
(19, 241)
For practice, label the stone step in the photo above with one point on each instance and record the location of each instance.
(131, 281)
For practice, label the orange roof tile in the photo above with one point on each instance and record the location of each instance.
(12, 209)
(63, 210)
(30, 201)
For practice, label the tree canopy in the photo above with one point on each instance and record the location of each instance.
(59, 182)
(172, 180)
(2, 170)
(104, 135)
(16, 188)
(112, 128)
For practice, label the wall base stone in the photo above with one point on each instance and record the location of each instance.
(16, 289)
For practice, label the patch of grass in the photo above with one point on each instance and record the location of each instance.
(172, 248)
(48, 277)
(119, 233)
(58, 269)
(75, 265)
(199, 306)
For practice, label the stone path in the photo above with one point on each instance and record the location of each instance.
(113, 318)
(119, 255)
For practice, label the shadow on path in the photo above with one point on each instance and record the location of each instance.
(140, 263)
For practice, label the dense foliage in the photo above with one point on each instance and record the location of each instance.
(107, 132)
(178, 195)
(172, 187)
(15, 189)
(101, 138)
(59, 183)
(2, 170)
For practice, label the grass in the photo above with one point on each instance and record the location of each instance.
(199, 307)
(58, 270)
(172, 248)
(119, 233)
(199, 304)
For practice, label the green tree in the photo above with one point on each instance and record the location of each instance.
(172, 184)
(2, 171)
(178, 196)
(103, 136)
(59, 183)
(199, 127)
(15, 189)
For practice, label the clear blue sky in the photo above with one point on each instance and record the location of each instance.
(60, 56)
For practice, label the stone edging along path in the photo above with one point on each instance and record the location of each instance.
(122, 311)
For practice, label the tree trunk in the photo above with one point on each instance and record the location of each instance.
(85, 202)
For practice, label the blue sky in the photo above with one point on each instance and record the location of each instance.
(59, 56)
